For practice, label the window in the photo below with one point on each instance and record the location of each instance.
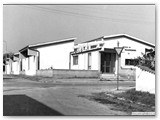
(89, 61)
(75, 50)
(38, 62)
(21, 65)
(93, 46)
(130, 62)
(75, 60)
(3, 68)
(100, 45)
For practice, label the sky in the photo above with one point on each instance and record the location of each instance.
(30, 24)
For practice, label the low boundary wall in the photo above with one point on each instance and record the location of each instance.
(145, 80)
(22, 72)
(128, 73)
(64, 73)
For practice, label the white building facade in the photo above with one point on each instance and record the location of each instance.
(99, 54)
(50, 55)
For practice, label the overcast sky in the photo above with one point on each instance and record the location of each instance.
(30, 24)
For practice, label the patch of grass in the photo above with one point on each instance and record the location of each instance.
(138, 96)
(129, 101)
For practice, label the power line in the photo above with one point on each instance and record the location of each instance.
(113, 13)
(108, 10)
(88, 16)
(97, 17)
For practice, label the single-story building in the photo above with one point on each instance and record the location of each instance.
(49, 55)
(13, 64)
(97, 54)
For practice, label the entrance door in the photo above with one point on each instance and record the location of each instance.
(108, 62)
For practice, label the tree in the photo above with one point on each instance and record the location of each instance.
(147, 60)
(7, 55)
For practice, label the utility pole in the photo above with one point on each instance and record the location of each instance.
(5, 56)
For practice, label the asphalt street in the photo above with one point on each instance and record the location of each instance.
(49, 96)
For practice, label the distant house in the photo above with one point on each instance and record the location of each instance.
(14, 62)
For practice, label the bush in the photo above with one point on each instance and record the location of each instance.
(138, 96)
(147, 60)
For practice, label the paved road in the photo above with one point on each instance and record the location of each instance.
(57, 97)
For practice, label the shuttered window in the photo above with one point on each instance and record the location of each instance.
(75, 60)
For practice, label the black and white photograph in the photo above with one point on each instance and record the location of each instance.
(79, 59)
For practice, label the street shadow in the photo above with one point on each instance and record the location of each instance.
(22, 105)
(8, 78)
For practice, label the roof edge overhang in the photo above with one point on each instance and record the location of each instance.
(47, 44)
(16, 54)
(52, 43)
(97, 49)
(122, 35)
(23, 49)
(130, 37)
(93, 39)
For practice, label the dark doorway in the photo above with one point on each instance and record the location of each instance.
(4, 68)
(108, 62)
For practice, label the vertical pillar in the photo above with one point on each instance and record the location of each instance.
(69, 60)
(99, 61)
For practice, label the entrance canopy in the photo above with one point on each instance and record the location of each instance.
(108, 50)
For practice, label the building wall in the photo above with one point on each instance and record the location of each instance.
(55, 56)
(128, 71)
(9, 67)
(24, 64)
(95, 60)
(29, 65)
(58, 57)
(139, 47)
(31, 68)
(65, 73)
(15, 67)
(8, 70)
(145, 81)
(83, 61)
